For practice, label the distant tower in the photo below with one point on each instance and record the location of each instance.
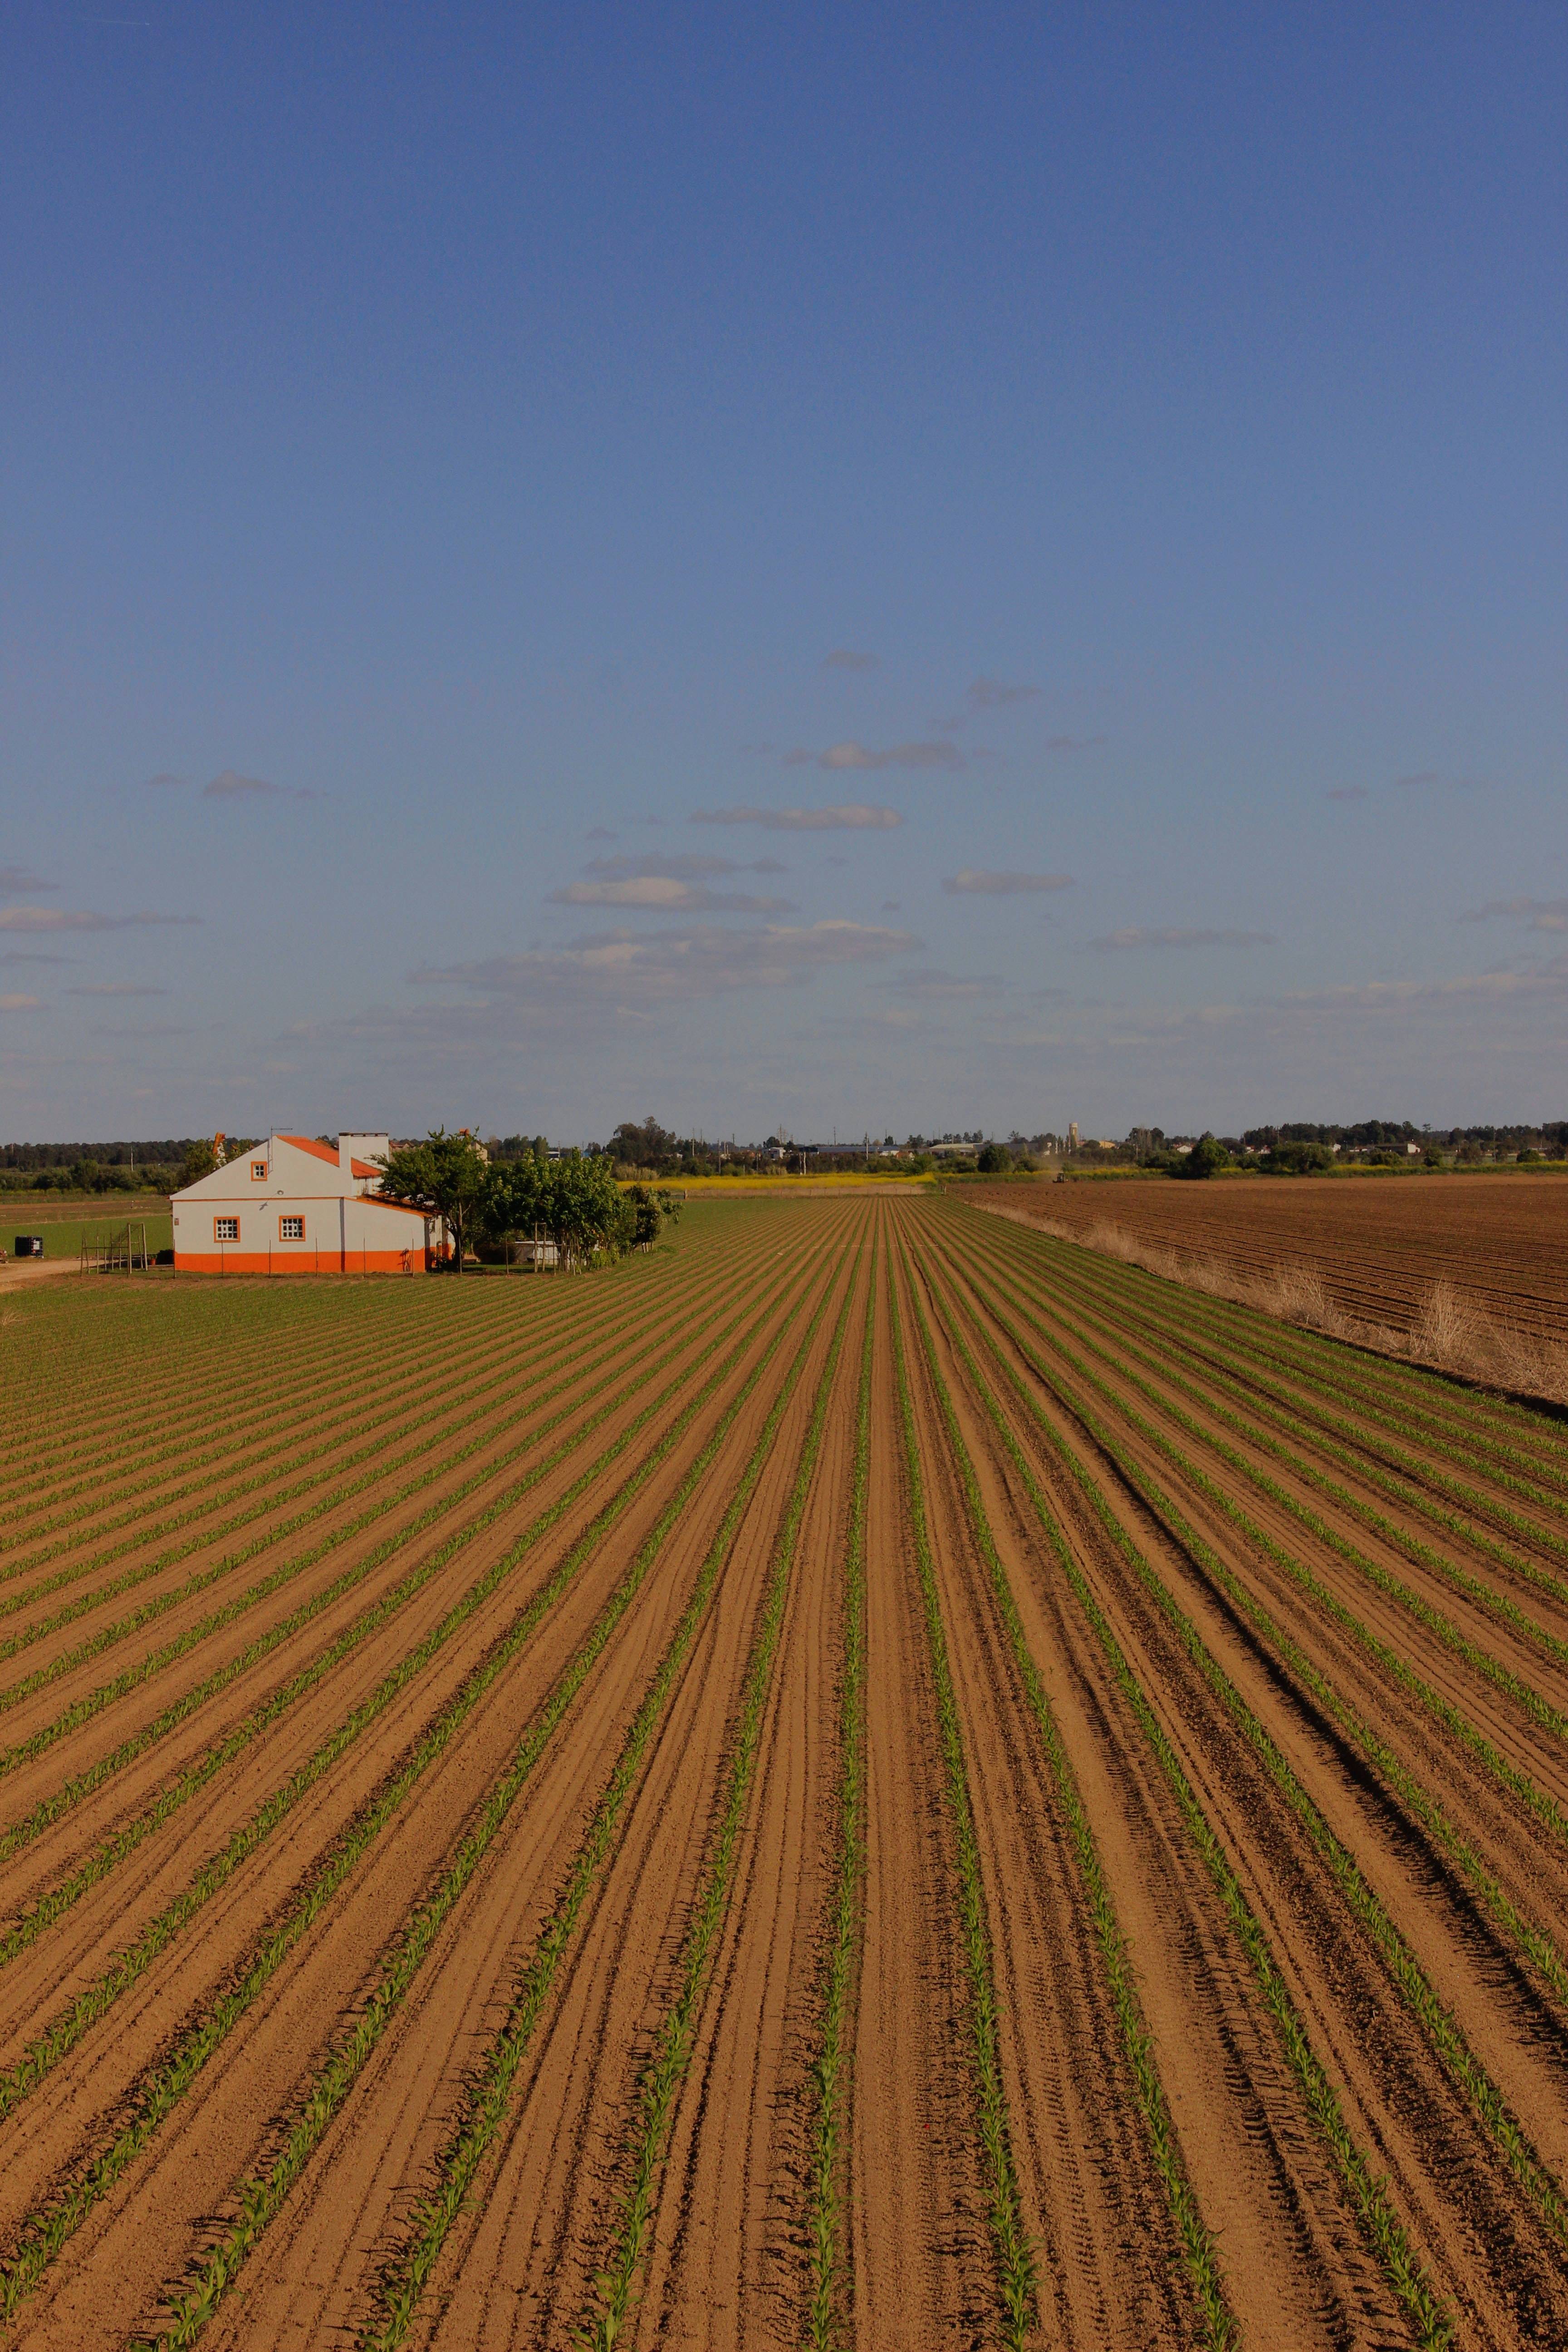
(1072, 1135)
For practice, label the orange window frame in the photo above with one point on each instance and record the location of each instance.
(219, 1235)
(284, 1222)
(259, 1172)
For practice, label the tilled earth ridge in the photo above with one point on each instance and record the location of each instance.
(1379, 1242)
(1299, 1629)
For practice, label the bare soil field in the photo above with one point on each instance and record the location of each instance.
(1379, 1242)
(873, 1777)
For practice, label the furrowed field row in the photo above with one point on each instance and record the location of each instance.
(1441, 2032)
(1526, 1939)
(512, 1380)
(1367, 2194)
(292, 1405)
(826, 2217)
(274, 1810)
(407, 1314)
(1199, 2249)
(272, 1393)
(675, 2040)
(1013, 2252)
(1259, 1344)
(1413, 1603)
(300, 2132)
(179, 1390)
(492, 1337)
(502, 1378)
(329, 1871)
(74, 1792)
(1114, 1316)
(121, 1629)
(1410, 1496)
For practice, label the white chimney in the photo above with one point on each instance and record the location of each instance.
(366, 1149)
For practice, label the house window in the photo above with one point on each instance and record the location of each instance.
(226, 1229)
(291, 1229)
(259, 1172)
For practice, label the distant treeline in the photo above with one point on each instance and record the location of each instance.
(1375, 1134)
(167, 1152)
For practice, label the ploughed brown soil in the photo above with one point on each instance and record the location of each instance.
(1379, 1241)
(442, 1837)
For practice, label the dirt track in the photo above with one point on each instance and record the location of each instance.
(421, 1931)
(1379, 1242)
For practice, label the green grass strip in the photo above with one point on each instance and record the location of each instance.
(1200, 2252)
(617, 2283)
(827, 2232)
(261, 2200)
(1015, 2255)
(1441, 2028)
(1368, 2193)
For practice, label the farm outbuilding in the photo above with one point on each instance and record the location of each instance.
(292, 1205)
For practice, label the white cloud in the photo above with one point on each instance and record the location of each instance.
(976, 882)
(62, 919)
(665, 894)
(688, 866)
(630, 973)
(1349, 793)
(990, 694)
(156, 784)
(843, 657)
(17, 880)
(116, 988)
(853, 817)
(1135, 935)
(937, 754)
(232, 786)
(1537, 914)
(12, 1003)
(947, 987)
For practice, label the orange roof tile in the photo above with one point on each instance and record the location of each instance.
(307, 1143)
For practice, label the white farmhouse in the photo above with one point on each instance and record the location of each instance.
(292, 1205)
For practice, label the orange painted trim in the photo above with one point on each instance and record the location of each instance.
(299, 1257)
(294, 1241)
(228, 1239)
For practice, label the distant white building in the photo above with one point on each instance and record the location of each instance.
(292, 1205)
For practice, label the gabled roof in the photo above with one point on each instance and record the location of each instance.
(307, 1143)
(362, 1168)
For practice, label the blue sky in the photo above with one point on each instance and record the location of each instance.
(894, 567)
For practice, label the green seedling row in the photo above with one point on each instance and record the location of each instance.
(1441, 2030)
(1368, 2195)
(186, 1704)
(831, 2069)
(1015, 2255)
(64, 2032)
(260, 2200)
(616, 2283)
(1517, 1782)
(1199, 2248)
